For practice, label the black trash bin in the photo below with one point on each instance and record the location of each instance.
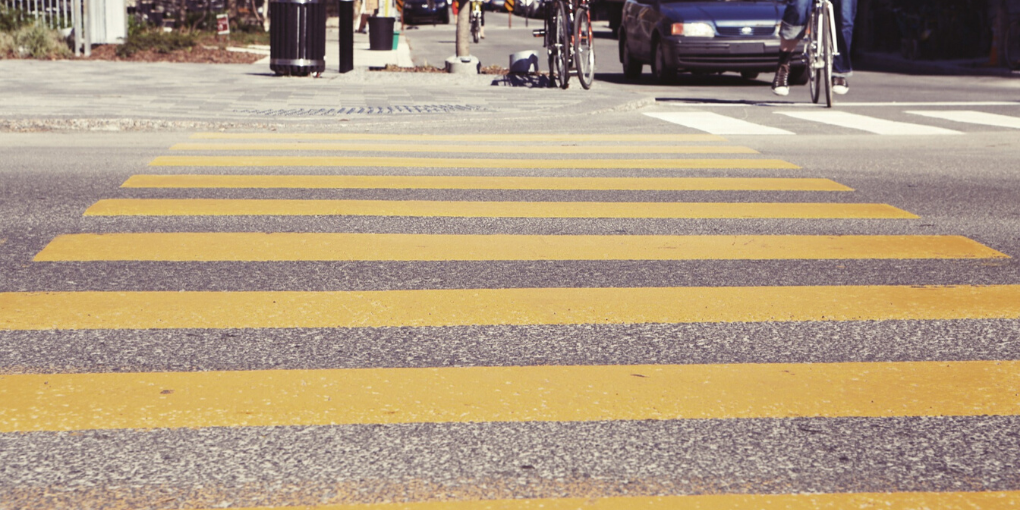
(297, 37)
(380, 33)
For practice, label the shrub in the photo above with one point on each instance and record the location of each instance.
(33, 41)
(155, 40)
(12, 19)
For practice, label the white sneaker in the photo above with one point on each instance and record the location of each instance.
(840, 85)
(780, 83)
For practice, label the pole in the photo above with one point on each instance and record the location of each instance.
(346, 35)
(86, 29)
(76, 24)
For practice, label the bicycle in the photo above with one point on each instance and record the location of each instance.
(569, 42)
(476, 20)
(820, 50)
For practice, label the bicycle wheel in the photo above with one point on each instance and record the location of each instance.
(1012, 47)
(813, 53)
(476, 28)
(828, 52)
(584, 49)
(550, 47)
(563, 43)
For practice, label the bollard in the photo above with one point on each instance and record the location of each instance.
(346, 35)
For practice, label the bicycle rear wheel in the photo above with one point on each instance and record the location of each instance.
(584, 48)
(550, 46)
(828, 53)
(563, 43)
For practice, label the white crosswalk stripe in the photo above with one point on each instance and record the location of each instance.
(870, 124)
(717, 124)
(972, 117)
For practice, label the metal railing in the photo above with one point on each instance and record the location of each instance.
(54, 13)
(57, 14)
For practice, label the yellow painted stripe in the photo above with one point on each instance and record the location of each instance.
(862, 500)
(465, 307)
(255, 246)
(390, 162)
(485, 182)
(36, 402)
(505, 137)
(469, 149)
(240, 207)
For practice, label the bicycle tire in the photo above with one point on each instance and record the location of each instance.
(550, 46)
(1011, 50)
(563, 42)
(476, 28)
(584, 50)
(812, 60)
(828, 53)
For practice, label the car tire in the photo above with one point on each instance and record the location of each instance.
(749, 75)
(445, 18)
(631, 67)
(663, 71)
(799, 76)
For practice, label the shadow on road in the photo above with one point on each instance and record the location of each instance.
(530, 81)
(684, 80)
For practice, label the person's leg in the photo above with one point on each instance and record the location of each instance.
(846, 11)
(791, 32)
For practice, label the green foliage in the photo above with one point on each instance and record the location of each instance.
(12, 19)
(156, 40)
(33, 41)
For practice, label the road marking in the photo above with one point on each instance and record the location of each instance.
(467, 307)
(485, 182)
(391, 162)
(254, 246)
(503, 137)
(464, 209)
(462, 148)
(831, 501)
(270, 398)
(972, 117)
(745, 104)
(717, 124)
(869, 124)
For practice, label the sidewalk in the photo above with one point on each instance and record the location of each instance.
(892, 62)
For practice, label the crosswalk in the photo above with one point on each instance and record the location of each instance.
(451, 393)
(817, 119)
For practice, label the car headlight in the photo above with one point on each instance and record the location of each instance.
(693, 29)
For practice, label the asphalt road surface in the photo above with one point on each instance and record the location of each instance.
(701, 303)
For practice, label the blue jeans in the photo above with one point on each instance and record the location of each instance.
(795, 19)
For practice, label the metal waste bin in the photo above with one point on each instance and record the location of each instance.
(297, 37)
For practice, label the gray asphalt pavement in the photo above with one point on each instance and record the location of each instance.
(962, 184)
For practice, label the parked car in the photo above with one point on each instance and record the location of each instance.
(702, 36)
(495, 5)
(426, 11)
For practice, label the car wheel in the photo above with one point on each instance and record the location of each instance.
(749, 75)
(663, 71)
(631, 67)
(799, 76)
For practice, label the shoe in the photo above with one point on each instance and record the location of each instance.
(840, 85)
(780, 83)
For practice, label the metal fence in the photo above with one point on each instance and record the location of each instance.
(54, 13)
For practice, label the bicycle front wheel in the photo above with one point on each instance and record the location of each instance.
(584, 48)
(828, 53)
(563, 44)
(814, 57)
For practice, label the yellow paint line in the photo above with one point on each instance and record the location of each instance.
(462, 209)
(268, 398)
(465, 307)
(255, 246)
(485, 182)
(507, 137)
(392, 162)
(469, 149)
(862, 500)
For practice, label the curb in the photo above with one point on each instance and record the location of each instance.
(889, 62)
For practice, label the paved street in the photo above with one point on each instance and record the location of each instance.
(639, 296)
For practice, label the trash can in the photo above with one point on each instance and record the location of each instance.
(380, 33)
(297, 37)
